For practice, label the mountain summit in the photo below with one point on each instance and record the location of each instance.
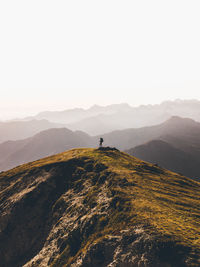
(98, 207)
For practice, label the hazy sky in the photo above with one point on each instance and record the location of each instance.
(60, 54)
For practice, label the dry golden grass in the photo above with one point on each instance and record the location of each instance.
(168, 202)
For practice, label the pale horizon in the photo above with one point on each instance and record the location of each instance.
(66, 54)
(8, 114)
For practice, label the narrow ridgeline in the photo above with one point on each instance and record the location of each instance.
(98, 207)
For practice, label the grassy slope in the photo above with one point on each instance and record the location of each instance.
(165, 201)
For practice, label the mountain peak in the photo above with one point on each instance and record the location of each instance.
(79, 207)
(180, 120)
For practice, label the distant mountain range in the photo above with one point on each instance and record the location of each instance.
(174, 144)
(177, 148)
(99, 120)
(178, 131)
(78, 114)
(15, 130)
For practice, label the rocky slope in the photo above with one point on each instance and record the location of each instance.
(91, 207)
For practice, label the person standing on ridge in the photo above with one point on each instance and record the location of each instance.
(100, 142)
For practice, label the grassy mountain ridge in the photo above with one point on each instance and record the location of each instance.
(91, 207)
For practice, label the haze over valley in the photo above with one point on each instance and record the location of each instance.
(172, 141)
(102, 119)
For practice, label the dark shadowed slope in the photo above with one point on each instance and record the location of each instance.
(169, 157)
(15, 130)
(88, 207)
(43, 144)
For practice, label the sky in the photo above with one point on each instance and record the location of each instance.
(60, 54)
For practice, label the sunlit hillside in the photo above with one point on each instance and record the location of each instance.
(98, 207)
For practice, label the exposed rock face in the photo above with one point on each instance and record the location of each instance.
(77, 213)
(132, 247)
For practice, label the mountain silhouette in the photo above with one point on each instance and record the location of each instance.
(43, 144)
(167, 156)
(178, 131)
(180, 138)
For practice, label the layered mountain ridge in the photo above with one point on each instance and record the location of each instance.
(103, 119)
(182, 136)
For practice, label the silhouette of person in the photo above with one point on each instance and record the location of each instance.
(100, 142)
